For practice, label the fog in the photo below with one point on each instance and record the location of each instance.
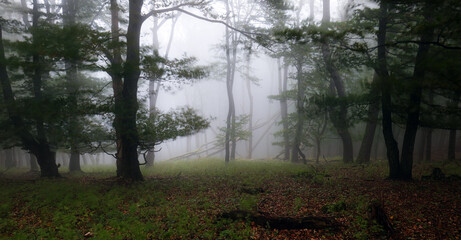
(203, 37)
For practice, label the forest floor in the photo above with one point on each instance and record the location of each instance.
(192, 200)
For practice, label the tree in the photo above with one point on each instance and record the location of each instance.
(339, 118)
(125, 76)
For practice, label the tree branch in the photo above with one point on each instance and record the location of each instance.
(170, 9)
(436, 43)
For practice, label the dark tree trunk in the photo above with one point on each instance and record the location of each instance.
(295, 152)
(406, 164)
(392, 148)
(338, 119)
(370, 129)
(116, 73)
(46, 158)
(129, 103)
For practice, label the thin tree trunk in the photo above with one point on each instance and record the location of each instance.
(295, 151)
(230, 120)
(283, 87)
(154, 84)
(339, 119)
(250, 115)
(370, 129)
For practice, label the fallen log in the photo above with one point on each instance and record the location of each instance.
(282, 222)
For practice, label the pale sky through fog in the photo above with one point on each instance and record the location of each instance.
(199, 38)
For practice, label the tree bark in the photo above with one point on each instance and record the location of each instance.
(295, 152)
(283, 87)
(370, 129)
(116, 73)
(412, 123)
(338, 119)
(129, 103)
(392, 149)
(230, 138)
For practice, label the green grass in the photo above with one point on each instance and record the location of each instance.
(183, 199)
(177, 200)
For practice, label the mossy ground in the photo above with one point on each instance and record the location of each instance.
(183, 199)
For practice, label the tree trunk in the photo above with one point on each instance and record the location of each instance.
(250, 115)
(295, 152)
(340, 118)
(406, 164)
(392, 149)
(283, 87)
(69, 12)
(47, 161)
(370, 129)
(116, 73)
(129, 103)
(230, 142)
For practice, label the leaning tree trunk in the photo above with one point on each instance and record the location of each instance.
(370, 129)
(340, 120)
(406, 164)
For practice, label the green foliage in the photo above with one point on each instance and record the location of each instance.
(159, 126)
(173, 73)
(241, 130)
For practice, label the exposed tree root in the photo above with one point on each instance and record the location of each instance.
(283, 222)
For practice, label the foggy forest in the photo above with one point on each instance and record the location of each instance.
(230, 119)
